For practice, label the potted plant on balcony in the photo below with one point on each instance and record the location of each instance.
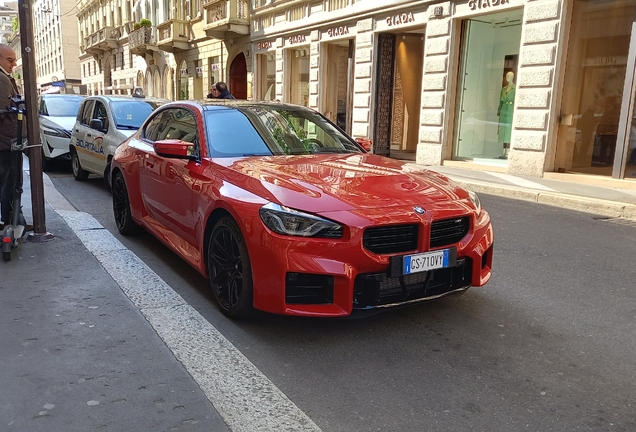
(144, 22)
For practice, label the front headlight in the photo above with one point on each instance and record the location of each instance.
(475, 199)
(286, 221)
(56, 132)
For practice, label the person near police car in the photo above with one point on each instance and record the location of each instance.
(8, 126)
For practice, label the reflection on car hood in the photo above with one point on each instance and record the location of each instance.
(326, 183)
(65, 123)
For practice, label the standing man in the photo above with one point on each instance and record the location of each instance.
(8, 126)
(224, 93)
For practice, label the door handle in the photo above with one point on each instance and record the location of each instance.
(89, 135)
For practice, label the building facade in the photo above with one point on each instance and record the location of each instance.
(8, 13)
(529, 86)
(56, 46)
(169, 48)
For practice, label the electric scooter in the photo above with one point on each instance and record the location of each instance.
(15, 230)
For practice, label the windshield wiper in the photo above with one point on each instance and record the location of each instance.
(121, 126)
(330, 150)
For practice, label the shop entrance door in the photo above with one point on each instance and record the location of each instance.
(594, 87)
(398, 94)
(238, 77)
(337, 95)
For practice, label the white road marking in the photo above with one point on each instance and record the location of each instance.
(520, 181)
(246, 399)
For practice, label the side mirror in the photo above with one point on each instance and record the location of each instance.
(365, 143)
(96, 124)
(174, 148)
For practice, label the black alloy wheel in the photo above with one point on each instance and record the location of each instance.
(121, 207)
(230, 270)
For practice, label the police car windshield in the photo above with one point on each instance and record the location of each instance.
(131, 114)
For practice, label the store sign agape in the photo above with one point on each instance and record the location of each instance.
(297, 39)
(338, 31)
(484, 4)
(404, 18)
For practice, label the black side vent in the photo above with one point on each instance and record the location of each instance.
(305, 288)
(449, 231)
(391, 239)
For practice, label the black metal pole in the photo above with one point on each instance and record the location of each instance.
(25, 18)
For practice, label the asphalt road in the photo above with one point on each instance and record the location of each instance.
(547, 345)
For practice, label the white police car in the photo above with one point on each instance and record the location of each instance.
(103, 122)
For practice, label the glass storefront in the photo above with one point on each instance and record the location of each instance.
(336, 101)
(591, 131)
(299, 75)
(487, 87)
(267, 76)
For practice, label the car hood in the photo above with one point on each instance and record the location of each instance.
(328, 183)
(65, 123)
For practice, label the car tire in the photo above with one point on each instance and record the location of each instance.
(230, 270)
(78, 172)
(46, 162)
(107, 182)
(121, 207)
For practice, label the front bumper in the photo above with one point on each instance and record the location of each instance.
(320, 277)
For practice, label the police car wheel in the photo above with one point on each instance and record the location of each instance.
(107, 183)
(78, 172)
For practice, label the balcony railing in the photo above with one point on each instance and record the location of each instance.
(142, 41)
(174, 35)
(102, 40)
(226, 18)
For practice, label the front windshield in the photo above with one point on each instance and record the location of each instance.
(60, 106)
(265, 130)
(130, 114)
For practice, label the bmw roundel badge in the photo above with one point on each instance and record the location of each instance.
(419, 210)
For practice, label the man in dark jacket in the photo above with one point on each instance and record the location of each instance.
(224, 93)
(8, 126)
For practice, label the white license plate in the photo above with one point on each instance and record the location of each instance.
(426, 261)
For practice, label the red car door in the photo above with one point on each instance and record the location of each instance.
(166, 183)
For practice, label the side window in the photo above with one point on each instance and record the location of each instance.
(85, 113)
(101, 114)
(154, 126)
(43, 107)
(179, 124)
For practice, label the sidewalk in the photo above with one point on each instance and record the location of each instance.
(76, 354)
(589, 195)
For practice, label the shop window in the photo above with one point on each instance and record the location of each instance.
(267, 76)
(299, 75)
(487, 86)
(596, 67)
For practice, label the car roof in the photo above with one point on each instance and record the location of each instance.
(62, 95)
(111, 98)
(218, 104)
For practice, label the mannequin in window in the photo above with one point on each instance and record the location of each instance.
(504, 112)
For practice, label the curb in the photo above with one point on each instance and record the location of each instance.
(583, 204)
